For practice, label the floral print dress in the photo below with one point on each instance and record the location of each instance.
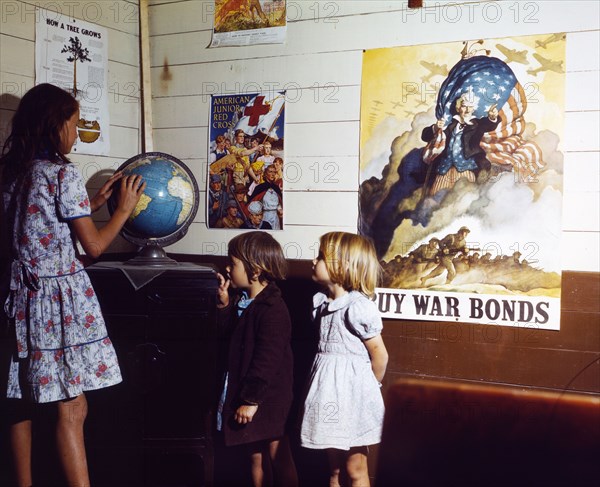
(62, 347)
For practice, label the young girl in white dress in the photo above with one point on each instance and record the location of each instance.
(343, 410)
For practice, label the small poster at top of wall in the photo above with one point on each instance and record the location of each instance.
(248, 22)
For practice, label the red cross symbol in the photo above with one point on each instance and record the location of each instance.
(256, 110)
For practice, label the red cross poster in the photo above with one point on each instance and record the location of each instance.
(461, 179)
(248, 22)
(245, 161)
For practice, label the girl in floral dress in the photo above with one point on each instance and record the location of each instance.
(61, 343)
(343, 410)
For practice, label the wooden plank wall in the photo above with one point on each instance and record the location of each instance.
(17, 70)
(321, 59)
(320, 65)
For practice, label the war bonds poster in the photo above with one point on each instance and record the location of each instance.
(247, 22)
(461, 179)
(245, 161)
(73, 54)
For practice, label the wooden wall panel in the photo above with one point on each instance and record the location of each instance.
(582, 131)
(121, 15)
(578, 43)
(582, 171)
(581, 251)
(17, 70)
(328, 49)
(248, 75)
(17, 56)
(314, 104)
(306, 140)
(574, 219)
(582, 100)
(385, 29)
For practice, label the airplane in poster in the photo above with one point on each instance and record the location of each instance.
(549, 40)
(546, 65)
(512, 55)
(434, 70)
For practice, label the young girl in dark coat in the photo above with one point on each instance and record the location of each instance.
(257, 391)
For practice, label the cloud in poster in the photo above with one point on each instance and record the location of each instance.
(503, 214)
(377, 153)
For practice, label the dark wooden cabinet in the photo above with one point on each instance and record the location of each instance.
(153, 429)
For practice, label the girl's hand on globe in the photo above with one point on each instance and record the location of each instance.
(104, 192)
(131, 191)
(222, 291)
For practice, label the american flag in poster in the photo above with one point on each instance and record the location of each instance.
(488, 81)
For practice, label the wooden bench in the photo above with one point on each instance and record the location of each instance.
(449, 433)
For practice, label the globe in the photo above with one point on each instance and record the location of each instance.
(167, 206)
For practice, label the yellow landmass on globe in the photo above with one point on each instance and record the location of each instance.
(141, 206)
(183, 190)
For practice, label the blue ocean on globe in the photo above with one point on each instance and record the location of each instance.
(167, 200)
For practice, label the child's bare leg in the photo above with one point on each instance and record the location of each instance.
(337, 460)
(20, 440)
(282, 463)
(260, 464)
(357, 467)
(70, 442)
(256, 468)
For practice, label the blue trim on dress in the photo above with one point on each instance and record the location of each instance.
(62, 275)
(68, 346)
(76, 217)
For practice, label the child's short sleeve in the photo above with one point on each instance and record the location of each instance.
(318, 300)
(364, 318)
(72, 198)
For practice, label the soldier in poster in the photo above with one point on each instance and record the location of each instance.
(450, 246)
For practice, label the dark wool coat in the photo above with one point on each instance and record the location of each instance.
(472, 135)
(260, 366)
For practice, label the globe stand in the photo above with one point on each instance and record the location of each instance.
(152, 254)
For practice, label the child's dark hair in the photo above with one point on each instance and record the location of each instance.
(261, 254)
(36, 128)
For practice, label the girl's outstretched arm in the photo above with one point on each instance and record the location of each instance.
(95, 241)
(379, 356)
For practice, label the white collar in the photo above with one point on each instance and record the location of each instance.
(464, 121)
